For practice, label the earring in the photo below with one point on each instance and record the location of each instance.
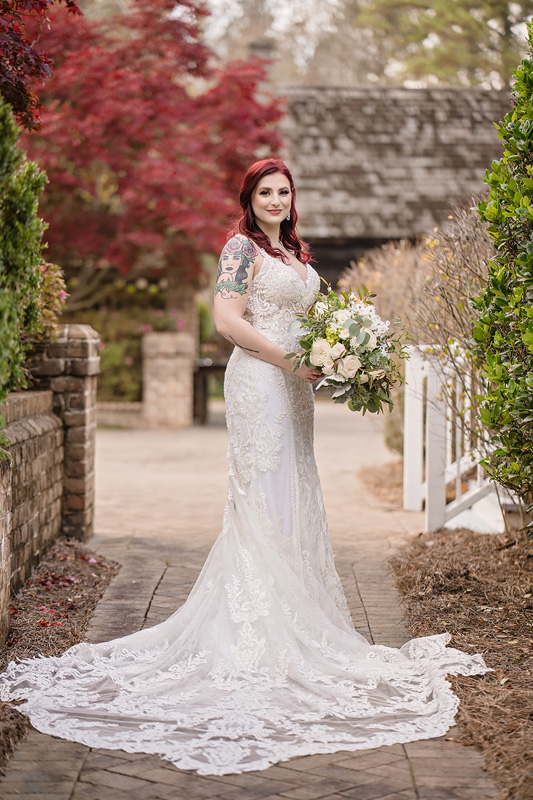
(288, 215)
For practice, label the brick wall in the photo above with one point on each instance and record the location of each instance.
(36, 436)
(69, 368)
(47, 485)
(5, 552)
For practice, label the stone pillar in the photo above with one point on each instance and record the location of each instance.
(5, 546)
(168, 369)
(182, 298)
(69, 367)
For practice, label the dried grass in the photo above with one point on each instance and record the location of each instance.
(49, 614)
(480, 589)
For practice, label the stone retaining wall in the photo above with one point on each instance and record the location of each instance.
(36, 484)
(47, 484)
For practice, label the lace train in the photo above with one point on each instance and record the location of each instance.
(262, 663)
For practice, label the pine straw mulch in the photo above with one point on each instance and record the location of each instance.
(49, 614)
(480, 589)
(385, 482)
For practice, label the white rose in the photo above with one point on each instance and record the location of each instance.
(320, 309)
(328, 367)
(341, 315)
(344, 334)
(355, 344)
(348, 366)
(363, 378)
(372, 342)
(319, 351)
(337, 350)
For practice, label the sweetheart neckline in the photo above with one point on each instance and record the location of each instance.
(305, 283)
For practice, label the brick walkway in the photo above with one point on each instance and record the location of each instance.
(160, 497)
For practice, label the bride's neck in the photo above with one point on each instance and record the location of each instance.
(272, 232)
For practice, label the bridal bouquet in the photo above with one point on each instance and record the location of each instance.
(342, 335)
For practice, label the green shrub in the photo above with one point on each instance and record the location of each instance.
(21, 230)
(504, 328)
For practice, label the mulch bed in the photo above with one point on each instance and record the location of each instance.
(49, 614)
(479, 588)
(385, 482)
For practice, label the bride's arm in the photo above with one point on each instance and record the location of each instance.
(235, 272)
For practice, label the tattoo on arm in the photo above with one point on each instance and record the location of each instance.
(233, 268)
(248, 349)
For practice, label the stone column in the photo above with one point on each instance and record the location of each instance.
(5, 548)
(69, 367)
(168, 369)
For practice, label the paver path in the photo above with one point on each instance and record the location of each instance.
(160, 497)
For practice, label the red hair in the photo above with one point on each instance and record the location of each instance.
(246, 224)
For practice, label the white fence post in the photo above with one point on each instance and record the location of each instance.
(413, 432)
(437, 436)
(436, 425)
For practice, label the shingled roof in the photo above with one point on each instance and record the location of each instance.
(381, 163)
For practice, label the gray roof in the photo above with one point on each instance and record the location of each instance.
(385, 163)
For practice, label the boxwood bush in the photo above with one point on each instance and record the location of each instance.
(504, 328)
(21, 230)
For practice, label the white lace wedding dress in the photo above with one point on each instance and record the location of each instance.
(262, 662)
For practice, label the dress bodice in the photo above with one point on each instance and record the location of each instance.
(277, 293)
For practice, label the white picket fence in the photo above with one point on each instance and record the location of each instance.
(437, 441)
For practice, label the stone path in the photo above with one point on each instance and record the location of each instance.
(160, 497)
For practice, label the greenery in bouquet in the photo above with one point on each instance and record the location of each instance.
(343, 336)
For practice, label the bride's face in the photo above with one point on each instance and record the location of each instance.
(271, 199)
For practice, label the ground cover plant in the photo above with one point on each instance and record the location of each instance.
(49, 614)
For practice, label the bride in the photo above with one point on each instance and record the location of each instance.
(262, 662)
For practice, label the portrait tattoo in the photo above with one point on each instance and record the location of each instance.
(233, 268)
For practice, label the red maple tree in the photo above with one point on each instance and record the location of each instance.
(144, 142)
(22, 62)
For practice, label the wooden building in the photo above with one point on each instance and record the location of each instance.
(375, 164)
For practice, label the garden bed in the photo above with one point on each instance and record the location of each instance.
(49, 614)
(480, 589)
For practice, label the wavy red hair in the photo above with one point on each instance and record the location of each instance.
(246, 224)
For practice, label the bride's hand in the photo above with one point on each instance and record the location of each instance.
(309, 374)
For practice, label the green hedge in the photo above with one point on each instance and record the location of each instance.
(504, 329)
(21, 230)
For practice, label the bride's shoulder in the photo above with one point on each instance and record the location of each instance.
(239, 242)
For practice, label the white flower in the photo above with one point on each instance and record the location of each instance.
(344, 333)
(319, 351)
(355, 344)
(372, 342)
(320, 309)
(328, 367)
(341, 315)
(363, 378)
(348, 366)
(337, 350)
